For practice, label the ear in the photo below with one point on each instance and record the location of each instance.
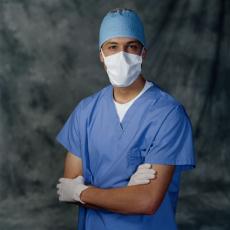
(144, 54)
(101, 57)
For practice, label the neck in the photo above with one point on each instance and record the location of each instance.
(125, 94)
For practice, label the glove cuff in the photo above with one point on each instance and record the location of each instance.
(79, 191)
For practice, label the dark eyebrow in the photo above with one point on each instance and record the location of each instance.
(114, 43)
(133, 42)
(136, 42)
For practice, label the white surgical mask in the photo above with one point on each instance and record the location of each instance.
(123, 68)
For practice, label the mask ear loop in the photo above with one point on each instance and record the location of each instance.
(102, 54)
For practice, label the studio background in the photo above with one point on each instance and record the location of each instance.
(49, 62)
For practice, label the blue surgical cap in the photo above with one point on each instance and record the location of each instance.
(121, 23)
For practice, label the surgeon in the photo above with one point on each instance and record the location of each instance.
(127, 143)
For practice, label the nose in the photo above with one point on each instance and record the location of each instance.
(123, 48)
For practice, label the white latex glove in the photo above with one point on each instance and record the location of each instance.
(70, 189)
(143, 175)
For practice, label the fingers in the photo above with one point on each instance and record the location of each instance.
(78, 178)
(60, 198)
(58, 186)
(137, 182)
(144, 166)
(63, 179)
(141, 178)
(59, 192)
(65, 187)
(146, 171)
(145, 176)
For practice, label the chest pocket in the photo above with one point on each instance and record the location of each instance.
(134, 158)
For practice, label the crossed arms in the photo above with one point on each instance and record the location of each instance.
(136, 199)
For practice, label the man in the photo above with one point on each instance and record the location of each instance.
(113, 136)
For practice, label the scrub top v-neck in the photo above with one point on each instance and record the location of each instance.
(129, 113)
(155, 129)
(122, 108)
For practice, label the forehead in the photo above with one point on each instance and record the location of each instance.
(121, 41)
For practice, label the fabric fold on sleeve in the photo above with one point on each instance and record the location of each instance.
(69, 135)
(173, 144)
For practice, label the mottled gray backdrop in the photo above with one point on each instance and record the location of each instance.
(49, 62)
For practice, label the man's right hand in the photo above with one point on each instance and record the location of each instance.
(69, 190)
(143, 175)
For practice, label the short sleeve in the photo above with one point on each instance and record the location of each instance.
(173, 144)
(69, 135)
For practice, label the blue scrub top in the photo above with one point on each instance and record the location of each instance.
(155, 129)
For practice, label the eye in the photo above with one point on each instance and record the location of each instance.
(133, 46)
(112, 47)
